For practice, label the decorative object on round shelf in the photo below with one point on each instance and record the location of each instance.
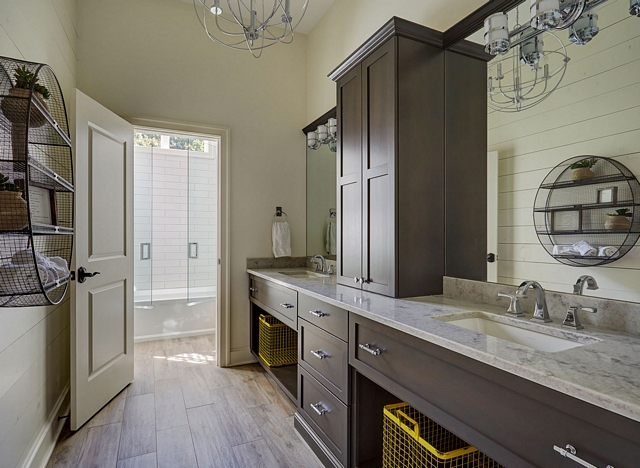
(36, 186)
(587, 211)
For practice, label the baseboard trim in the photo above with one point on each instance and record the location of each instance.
(318, 447)
(164, 336)
(241, 356)
(37, 456)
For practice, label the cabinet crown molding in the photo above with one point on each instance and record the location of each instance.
(394, 27)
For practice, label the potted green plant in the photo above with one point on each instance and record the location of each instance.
(582, 169)
(13, 208)
(620, 220)
(15, 106)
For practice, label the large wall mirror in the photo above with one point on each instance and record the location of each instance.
(321, 188)
(594, 110)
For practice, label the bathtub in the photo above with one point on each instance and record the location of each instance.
(174, 313)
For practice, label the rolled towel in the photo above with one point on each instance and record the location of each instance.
(585, 249)
(608, 251)
(25, 257)
(281, 237)
(21, 279)
(564, 250)
(59, 266)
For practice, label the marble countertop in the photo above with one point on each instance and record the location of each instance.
(605, 373)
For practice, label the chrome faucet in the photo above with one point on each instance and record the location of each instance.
(322, 267)
(541, 312)
(590, 281)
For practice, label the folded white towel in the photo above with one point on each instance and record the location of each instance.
(608, 251)
(281, 238)
(331, 238)
(585, 249)
(21, 279)
(564, 250)
(56, 267)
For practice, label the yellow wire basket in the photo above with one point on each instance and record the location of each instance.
(277, 343)
(411, 440)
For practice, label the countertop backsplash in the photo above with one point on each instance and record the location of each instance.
(613, 315)
(282, 262)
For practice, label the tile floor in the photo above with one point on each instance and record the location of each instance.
(183, 411)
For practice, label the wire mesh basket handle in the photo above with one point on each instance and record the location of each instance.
(415, 431)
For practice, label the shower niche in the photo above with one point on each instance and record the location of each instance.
(175, 233)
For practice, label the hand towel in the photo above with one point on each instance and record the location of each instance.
(21, 279)
(585, 249)
(281, 237)
(331, 238)
(608, 251)
(564, 250)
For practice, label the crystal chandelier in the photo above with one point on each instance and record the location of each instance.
(534, 59)
(324, 135)
(251, 25)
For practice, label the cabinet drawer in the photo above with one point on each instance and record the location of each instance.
(327, 415)
(279, 301)
(323, 315)
(325, 357)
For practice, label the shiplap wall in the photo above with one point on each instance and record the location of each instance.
(596, 111)
(34, 342)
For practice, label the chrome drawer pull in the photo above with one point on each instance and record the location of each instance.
(570, 453)
(253, 289)
(320, 354)
(369, 349)
(318, 313)
(286, 305)
(319, 409)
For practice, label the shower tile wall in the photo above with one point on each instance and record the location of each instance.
(174, 207)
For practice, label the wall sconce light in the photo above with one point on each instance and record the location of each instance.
(324, 135)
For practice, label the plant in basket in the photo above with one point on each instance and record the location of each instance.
(16, 105)
(620, 220)
(13, 208)
(582, 169)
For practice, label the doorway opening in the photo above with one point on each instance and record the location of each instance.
(176, 206)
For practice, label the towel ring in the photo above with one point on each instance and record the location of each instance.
(278, 214)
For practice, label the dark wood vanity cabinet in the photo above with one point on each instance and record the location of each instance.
(391, 162)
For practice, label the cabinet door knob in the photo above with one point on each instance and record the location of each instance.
(356, 280)
(319, 409)
(318, 313)
(286, 305)
(364, 281)
(370, 349)
(320, 354)
(252, 289)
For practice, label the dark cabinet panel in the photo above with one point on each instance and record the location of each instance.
(349, 113)
(379, 154)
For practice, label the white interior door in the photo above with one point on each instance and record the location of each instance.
(492, 215)
(102, 305)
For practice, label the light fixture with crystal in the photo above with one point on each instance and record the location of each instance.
(324, 135)
(251, 25)
(585, 29)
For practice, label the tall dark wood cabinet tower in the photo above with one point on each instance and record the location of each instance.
(392, 163)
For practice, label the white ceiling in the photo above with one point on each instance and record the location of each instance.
(315, 10)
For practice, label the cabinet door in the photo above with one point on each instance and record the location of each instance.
(349, 113)
(378, 171)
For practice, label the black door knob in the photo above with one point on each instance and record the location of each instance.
(491, 257)
(83, 274)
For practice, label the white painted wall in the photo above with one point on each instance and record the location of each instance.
(34, 342)
(151, 58)
(349, 23)
(595, 112)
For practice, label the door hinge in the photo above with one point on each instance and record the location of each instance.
(219, 262)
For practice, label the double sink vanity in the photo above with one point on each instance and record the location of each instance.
(509, 386)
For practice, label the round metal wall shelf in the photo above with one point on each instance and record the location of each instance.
(36, 186)
(573, 206)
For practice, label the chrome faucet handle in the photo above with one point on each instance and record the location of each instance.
(330, 270)
(571, 320)
(514, 306)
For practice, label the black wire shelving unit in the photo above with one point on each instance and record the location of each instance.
(36, 188)
(570, 208)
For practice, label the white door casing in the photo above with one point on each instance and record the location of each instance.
(492, 214)
(102, 306)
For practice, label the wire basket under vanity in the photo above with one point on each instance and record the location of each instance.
(277, 343)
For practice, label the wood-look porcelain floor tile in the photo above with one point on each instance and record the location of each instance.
(170, 410)
(213, 449)
(138, 427)
(175, 448)
(256, 454)
(194, 387)
(100, 449)
(111, 413)
(147, 460)
(239, 426)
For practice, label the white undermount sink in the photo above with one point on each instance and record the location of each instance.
(303, 274)
(531, 335)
